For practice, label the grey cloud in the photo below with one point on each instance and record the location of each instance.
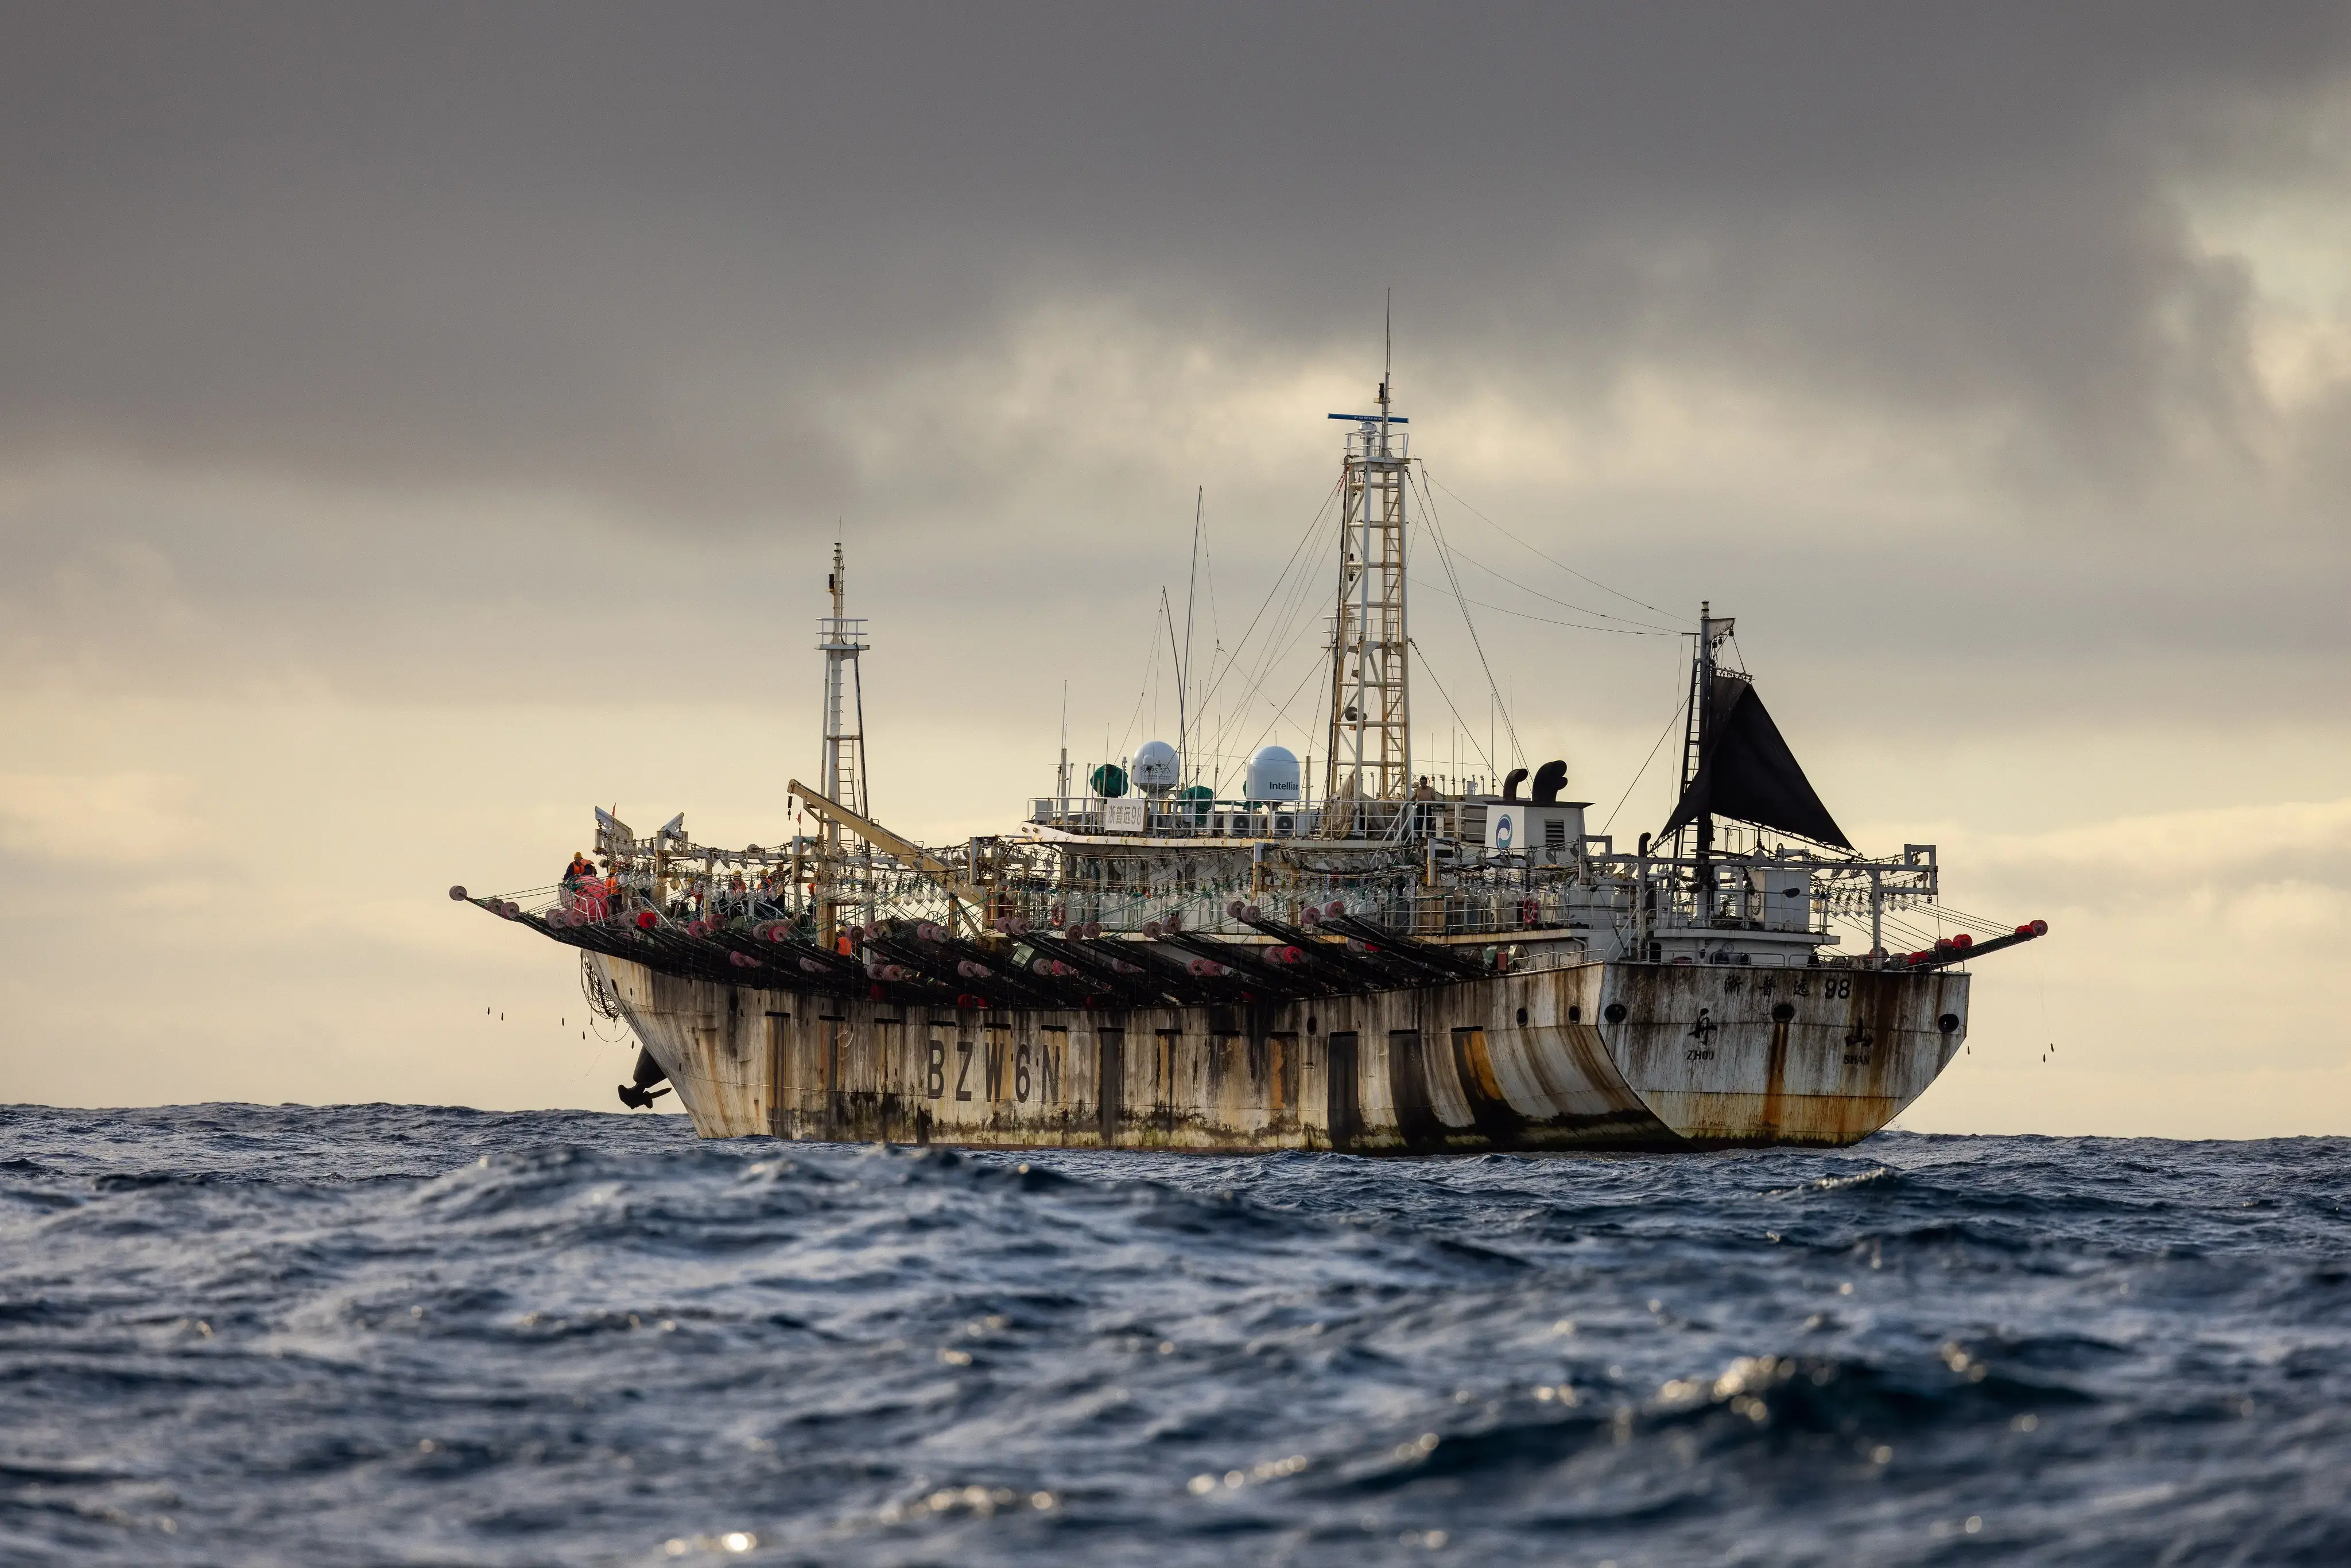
(626, 250)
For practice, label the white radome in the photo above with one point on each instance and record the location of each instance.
(1157, 768)
(1274, 775)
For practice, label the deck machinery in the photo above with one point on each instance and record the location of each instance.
(1391, 968)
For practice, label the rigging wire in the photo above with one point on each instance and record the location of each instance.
(1150, 684)
(1281, 712)
(1167, 610)
(1504, 577)
(1679, 707)
(1555, 562)
(1444, 556)
(1438, 681)
(1312, 529)
(1627, 630)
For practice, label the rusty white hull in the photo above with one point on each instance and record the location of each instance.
(1600, 1055)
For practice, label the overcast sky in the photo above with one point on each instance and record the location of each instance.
(419, 422)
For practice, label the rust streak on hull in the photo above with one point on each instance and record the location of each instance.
(1594, 1056)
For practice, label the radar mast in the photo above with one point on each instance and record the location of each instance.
(840, 639)
(1369, 752)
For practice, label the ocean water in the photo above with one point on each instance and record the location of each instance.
(386, 1334)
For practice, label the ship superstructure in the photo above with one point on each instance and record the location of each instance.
(1385, 964)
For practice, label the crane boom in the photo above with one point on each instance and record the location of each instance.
(891, 844)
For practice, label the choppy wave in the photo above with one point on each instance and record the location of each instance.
(252, 1335)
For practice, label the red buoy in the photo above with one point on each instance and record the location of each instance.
(646, 919)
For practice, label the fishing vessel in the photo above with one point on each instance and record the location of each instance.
(1162, 957)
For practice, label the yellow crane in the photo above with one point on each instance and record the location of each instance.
(904, 851)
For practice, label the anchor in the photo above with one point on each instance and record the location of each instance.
(641, 1094)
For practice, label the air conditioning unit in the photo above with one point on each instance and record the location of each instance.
(1518, 827)
(1782, 897)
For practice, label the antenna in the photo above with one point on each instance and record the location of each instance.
(840, 638)
(1184, 674)
(1387, 362)
(1370, 741)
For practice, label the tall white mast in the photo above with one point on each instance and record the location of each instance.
(841, 639)
(1369, 752)
(1184, 666)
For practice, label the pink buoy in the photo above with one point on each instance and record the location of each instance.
(812, 967)
(458, 894)
(1151, 928)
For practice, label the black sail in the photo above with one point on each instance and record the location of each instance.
(1746, 771)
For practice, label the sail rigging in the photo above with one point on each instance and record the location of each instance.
(1746, 771)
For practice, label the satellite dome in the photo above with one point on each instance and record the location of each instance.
(1274, 775)
(1157, 768)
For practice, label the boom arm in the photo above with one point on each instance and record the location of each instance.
(891, 844)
